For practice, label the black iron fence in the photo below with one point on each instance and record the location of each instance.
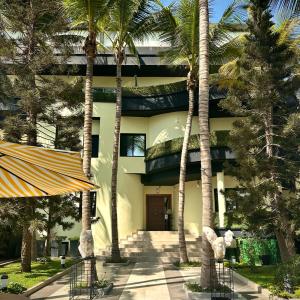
(221, 278)
(83, 280)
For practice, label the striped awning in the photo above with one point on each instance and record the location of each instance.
(27, 171)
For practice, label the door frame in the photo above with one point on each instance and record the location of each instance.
(158, 196)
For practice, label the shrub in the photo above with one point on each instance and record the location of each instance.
(251, 250)
(15, 288)
(290, 270)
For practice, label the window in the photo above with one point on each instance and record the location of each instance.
(93, 202)
(93, 198)
(132, 145)
(95, 145)
(231, 204)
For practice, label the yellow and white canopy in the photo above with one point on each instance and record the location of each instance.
(27, 171)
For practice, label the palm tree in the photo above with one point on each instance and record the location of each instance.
(181, 30)
(87, 14)
(205, 157)
(128, 22)
(283, 5)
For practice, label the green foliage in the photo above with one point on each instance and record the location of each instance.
(15, 288)
(218, 139)
(291, 270)
(262, 275)
(40, 272)
(251, 250)
(102, 283)
(197, 288)
(190, 264)
(265, 141)
(271, 277)
(194, 287)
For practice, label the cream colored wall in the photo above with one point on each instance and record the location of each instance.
(171, 125)
(130, 189)
(74, 232)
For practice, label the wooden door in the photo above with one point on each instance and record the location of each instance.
(156, 209)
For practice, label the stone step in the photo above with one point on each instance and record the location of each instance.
(159, 248)
(165, 260)
(164, 242)
(160, 245)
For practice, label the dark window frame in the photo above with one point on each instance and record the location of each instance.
(93, 201)
(94, 154)
(132, 134)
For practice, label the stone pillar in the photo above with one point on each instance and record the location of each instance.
(221, 198)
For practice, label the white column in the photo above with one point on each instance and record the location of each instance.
(221, 198)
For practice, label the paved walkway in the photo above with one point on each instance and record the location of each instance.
(140, 281)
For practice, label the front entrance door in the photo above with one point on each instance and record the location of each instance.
(157, 206)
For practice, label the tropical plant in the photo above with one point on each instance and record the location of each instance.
(179, 26)
(87, 15)
(263, 90)
(205, 158)
(128, 22)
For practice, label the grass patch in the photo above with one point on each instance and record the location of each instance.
(264, 276)
(191, 264)
(39, 272)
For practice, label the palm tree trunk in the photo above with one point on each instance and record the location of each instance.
(26, 249)
(205, 157)
(90, 50)
(182, 173)
(115, 251)
(87, 141)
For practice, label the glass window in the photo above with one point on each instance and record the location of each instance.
(95, 145)
(132, 145)
(93, 199)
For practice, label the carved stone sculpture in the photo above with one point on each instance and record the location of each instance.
(218, 244)
(86, 244)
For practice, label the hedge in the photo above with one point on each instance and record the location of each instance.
(218, 139)
(251, 249)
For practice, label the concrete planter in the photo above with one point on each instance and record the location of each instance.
(204, 296)
(123, 264)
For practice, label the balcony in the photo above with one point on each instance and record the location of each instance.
(151, 101)
(163, 160)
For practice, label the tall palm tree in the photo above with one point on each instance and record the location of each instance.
(181, 29)
(205, 157)
(128, 22)
(87, 15)
(283, 5)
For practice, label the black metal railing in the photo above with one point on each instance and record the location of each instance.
(221, 278)
(83, 280)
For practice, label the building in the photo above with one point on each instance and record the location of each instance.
(154, 112)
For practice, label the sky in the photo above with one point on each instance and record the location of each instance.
(218, 8)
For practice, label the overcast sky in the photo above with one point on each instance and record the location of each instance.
(218, 7)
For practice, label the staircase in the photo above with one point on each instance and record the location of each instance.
(156, 246)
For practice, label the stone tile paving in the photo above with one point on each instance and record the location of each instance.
(146, 282)
(140, 281)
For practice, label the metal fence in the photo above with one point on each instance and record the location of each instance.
(83, 281)
(221, 278)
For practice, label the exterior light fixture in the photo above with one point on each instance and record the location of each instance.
(157, 189)
(63, 261)
(4, 280)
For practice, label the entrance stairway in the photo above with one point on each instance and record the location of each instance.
(156, 246)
